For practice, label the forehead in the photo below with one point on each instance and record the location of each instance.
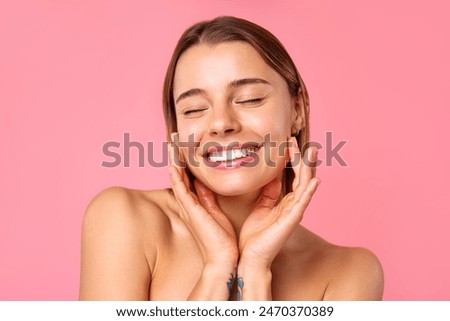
(213, 66)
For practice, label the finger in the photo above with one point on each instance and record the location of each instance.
(174, 176)
(293, 215)
(315, 157)
(175, 154)
(206, 197)
(182, 192)
(292, 210)
(177, 173)
(304, 199)
(185, 201)
(296, 162)
(175, 160)
(270, 194)
(208, 200)
(307, 171)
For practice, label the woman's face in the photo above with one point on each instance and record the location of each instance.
(238, 111)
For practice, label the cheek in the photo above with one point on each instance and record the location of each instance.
(189, 130)
(273, 123)
(279, 127)
(188, 138)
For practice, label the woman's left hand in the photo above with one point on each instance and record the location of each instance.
(269, 225)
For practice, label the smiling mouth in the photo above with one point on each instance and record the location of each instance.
(218, 154)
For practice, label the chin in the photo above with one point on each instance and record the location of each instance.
(236, 185)
(232, 191)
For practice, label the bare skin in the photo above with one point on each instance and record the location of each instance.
(237, 237)
(136, 247)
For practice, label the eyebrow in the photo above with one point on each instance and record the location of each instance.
(234, 84)
(189, 93)
(248, 81)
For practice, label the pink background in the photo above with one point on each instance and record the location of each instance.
(76, 74)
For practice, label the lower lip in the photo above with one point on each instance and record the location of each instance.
(232, 164)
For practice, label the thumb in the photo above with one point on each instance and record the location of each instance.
(270, 194)
(206, 197)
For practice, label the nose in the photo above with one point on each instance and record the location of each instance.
(224, 121)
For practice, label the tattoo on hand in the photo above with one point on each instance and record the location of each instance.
(231, 280)
(235, 281)
(240, 284)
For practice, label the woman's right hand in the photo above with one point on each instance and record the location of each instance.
(208, 225)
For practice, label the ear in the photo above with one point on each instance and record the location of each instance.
(298, 113)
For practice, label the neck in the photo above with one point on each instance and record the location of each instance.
(238, 208)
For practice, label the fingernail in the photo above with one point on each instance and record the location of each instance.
(171, 152)
(173, 137)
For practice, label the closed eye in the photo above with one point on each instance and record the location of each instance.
(193, 112)
(251, 101)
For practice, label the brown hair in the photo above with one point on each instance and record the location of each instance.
(226, 29)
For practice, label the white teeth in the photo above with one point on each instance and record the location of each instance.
(228, 155)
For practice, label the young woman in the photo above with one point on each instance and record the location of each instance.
(236, 112)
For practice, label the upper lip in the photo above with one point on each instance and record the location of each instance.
(231, 146)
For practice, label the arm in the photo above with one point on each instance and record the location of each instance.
(216, 240)
(113, 264)
(270, 225)
(215, 284)
(212, 232)
(254, 283)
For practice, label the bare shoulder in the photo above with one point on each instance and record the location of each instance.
(127, 212)
(355, 273)
(127, 206)
(311, 268)
(120, 231)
